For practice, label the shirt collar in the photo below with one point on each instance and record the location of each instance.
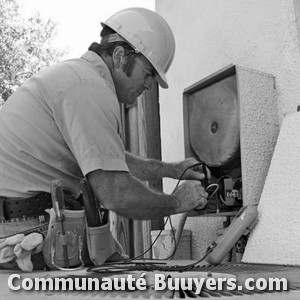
(100, 66)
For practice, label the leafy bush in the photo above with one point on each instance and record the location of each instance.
(25, 46)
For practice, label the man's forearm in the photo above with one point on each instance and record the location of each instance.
(149, 169)
(124, 194)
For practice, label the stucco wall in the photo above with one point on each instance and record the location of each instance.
(210, 34)
(275, 239)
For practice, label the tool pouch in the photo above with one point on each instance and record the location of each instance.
(64, 248)
(101, 244)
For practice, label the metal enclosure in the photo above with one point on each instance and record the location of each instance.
(231, 124)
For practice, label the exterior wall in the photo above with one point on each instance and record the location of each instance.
(211, 34)
(275, 239)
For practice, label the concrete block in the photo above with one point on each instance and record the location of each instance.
(164, 245)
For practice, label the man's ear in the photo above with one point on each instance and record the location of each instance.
(118, 56)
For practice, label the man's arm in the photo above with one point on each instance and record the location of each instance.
(151, 169)
(124, 194)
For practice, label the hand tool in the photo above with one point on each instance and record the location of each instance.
(58, 203)
(93, 214)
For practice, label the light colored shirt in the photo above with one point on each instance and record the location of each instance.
(62, 124)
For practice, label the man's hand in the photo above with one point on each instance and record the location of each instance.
(191, 195)
(194, 173)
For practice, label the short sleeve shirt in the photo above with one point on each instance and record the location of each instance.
(62, 124)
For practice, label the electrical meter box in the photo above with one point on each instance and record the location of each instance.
(231, 125)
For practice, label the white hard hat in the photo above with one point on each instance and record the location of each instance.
(147, 32)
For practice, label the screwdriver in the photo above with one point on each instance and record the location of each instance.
(58, 203)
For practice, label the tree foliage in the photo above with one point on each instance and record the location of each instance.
(25, 46)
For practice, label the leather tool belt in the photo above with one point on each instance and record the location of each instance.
(35, 206)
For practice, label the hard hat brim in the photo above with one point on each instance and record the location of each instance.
(161, 80)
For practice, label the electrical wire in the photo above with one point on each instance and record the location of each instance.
(140, 266)
(176, 241)
(221, 198)
(109, 267)
(183, 218)
(174, 238)
(185, 215)
(216, 186)
(190, 167)
(222, 177)
(178, 234)
(151, 246)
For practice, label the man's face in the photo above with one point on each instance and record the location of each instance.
(130, 86)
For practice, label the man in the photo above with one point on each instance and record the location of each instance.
(64, 123)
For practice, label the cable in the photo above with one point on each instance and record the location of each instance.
(176, 236)
(179, 231)
(213, 185)
(183, 218)
(222, 199)
(192, 265)
(150, 266)
(152, 244)
(183, 173)
(176, 242)
(224, 176)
